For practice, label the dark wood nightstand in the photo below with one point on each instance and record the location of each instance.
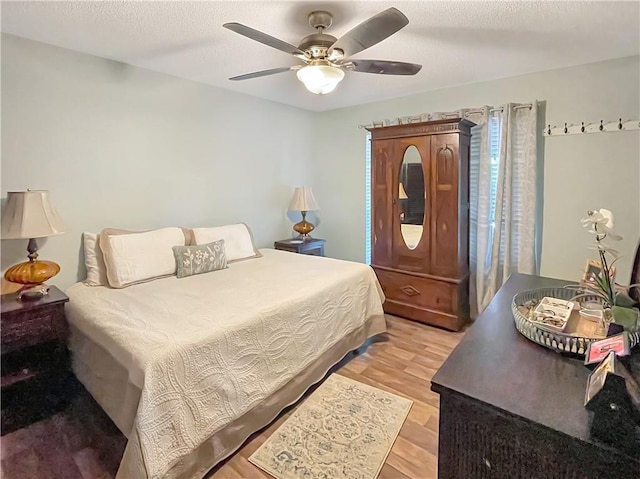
(35, 361)
(311, 246)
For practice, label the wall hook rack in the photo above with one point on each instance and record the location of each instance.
(599, 127)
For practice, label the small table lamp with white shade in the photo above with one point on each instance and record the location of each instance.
(402, 193)
(303, 201)
(30, 215)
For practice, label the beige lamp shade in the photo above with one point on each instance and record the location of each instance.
(402, 194)
(303, 200)
(29, 214)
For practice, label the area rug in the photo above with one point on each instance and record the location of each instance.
(344, 429)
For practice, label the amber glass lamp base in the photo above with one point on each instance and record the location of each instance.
(32, 272)
(304, 227)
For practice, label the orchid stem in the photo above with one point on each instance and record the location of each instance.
(605, 268)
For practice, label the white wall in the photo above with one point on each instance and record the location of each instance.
(119, 146)
(580, 172)
(125, 147)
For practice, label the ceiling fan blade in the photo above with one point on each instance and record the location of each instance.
(383, 67)
(370, 32)
(264, 73)
(261, 37)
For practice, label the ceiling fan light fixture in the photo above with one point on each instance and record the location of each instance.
(326, 57)
(320, 78)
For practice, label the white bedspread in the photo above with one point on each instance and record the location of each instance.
(206, 349)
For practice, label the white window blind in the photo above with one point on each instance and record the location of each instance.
(367, 201)
(474, 173)
(494, 139)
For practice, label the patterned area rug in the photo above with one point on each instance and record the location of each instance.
(344, 429)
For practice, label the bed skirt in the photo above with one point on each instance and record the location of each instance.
(106, 379)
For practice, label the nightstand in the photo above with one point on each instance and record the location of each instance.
(36, 379)
(311, 246)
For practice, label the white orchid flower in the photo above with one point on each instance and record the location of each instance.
(607, 215)
(600, 222)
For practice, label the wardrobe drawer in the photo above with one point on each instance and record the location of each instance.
(417, 291)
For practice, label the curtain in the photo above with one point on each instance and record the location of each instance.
(503, 187)
(503, 193)
(504, 234)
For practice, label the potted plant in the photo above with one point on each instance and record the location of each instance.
(617, 306)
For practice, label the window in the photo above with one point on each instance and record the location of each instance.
(367, 200)
(494, 139)
(495, 136)
(504, 198)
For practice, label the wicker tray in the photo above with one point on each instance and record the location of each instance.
(576, 336)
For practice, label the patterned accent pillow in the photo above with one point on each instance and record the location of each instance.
(200, 259)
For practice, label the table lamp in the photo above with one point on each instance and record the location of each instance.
(303, 201)
(402, 193)
(30, 215)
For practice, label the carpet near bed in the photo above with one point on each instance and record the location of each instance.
(343, 429)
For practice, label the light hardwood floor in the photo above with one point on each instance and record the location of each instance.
(82, 443)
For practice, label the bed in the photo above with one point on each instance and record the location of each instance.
(189, 368)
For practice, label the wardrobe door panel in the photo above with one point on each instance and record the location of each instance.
(463, 206)
(382, 222)
(444, 205)
(410, 235)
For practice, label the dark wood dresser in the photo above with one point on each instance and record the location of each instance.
(510, 408)
(310, 246)
(35, 361)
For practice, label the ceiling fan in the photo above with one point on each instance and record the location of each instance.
(326, 57)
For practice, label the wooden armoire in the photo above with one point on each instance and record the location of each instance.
(422, 260)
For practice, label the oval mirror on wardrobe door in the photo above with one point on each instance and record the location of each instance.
(411, 197)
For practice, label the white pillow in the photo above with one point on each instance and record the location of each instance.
(93, 261)
(238, 240)
(137, 257)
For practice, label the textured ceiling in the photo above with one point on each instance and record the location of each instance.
(457, 42)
